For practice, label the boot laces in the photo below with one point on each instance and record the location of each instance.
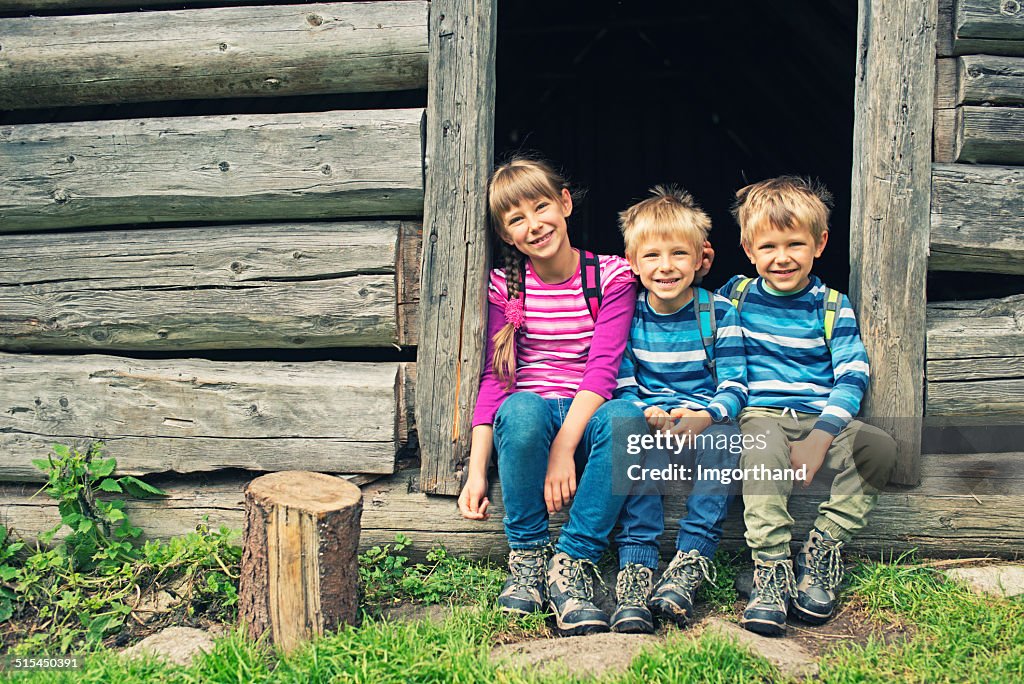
(527, 567)
(772, 578)
(826, 566)
(687, 571)
(580, 574)
(634, 585)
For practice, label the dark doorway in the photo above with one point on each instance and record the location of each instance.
(624, 95)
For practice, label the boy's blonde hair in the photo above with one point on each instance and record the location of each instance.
(670, 212)
(783, 203)
(520, 178)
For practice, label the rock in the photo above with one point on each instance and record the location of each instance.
(792, 659)
(583, 656)
(413, 612)
(152, 604)
(176, 645)
(1001, 580)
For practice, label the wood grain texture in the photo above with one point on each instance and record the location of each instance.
(268, 51)
(949, 515)
(460, 142)
(944, 28)
(299, 571)
(990, 19)
(984, 79)
(977, 219)
(324, 165)
(292, 285)
(894, 104)
(989, 135)
(189, 415)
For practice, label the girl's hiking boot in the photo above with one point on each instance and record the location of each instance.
(674, 596)
(525, 591)
(632, 589)
(769, 600)
(571, 596)
(819, 571)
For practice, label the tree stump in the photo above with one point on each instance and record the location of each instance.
(300, 573)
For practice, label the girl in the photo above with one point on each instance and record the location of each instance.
(552, 358)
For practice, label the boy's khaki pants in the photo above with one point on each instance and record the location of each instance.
(863, 455)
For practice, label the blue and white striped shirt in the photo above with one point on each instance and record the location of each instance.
(664, 363)
(788, 363)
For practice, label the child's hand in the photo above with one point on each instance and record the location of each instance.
(657, 419)
(689, 422)
(560, 483)
(810, 452)
(473, 501)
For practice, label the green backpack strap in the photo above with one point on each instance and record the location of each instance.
(833, 298)
(739, 292)
(704, 307)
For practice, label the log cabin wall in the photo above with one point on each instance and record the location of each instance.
(153, 268)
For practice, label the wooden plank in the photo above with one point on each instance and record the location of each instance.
(977, 219)
(944, 29)
(38, 6)
(460, 144)
(990, 135)
(984, 79)
(407, 275)
(293, 285)
(990, 19)
(894, 104)
(943, 136)
(991, 399)
(324, 165)
(261, 51)
(937, 521)
(946, 83)
(991, 328)
(189, 415)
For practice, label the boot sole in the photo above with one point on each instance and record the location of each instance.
(634, 626)
(579, 628)
(764, 627)
(666, 610)
(806, 616)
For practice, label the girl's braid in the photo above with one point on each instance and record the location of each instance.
(513, 270)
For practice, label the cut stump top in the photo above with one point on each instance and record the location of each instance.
(299, 489)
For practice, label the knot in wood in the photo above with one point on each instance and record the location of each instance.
(162, 334)
(70, 159)
(272, 83)
(236, 267)
(223, 47)
(315, 19)
(61, 196)
(1009, 7)
(224, 166)
(326, 169)
(63, 401)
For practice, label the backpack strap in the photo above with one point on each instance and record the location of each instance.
(590, 278)
(704, 308)
(740, 290)
(831, 305)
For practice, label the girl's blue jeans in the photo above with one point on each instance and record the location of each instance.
(643, 514)
(524, 428)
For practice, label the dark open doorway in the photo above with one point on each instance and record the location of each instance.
(624, 95)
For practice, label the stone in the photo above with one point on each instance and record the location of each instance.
(792, 659)
(581, 656)
(1001, 580)
(177, 645)
(153, 604)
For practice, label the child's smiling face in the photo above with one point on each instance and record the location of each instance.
(784, 257)
(537, 227)
(666, 266)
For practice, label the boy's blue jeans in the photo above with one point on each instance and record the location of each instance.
(524, 428)
(643, 514)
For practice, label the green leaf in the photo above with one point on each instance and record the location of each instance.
(109, 485)
(115, 515)
(85, 525)
(7, 573)
(6, 610)
(41, 464)
(140, 489)
(103, 467)
(61, 450)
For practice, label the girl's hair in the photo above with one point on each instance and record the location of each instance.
(670, 213)
(783, 203)
(518, 179)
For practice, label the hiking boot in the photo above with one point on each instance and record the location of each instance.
(819, 570)
(571, 596)
(524, 591)
(674, 596)
(632, 589)
(769, 600)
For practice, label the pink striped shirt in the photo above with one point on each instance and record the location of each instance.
(560, 350)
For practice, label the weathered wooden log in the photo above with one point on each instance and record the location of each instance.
(300, 573)
(260, 51)
(460, 142)
(977, 220)
(893, 105)
(188, 415)
(976, 359)
(220, 168)
(982, 135)
(37, 6)
(950, 514)
(990, 19)
(984, 79)
(229, 287)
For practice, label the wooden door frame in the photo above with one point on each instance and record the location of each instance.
(890, 215)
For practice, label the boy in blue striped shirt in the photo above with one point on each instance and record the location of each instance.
(807, 371)
(684, 365)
